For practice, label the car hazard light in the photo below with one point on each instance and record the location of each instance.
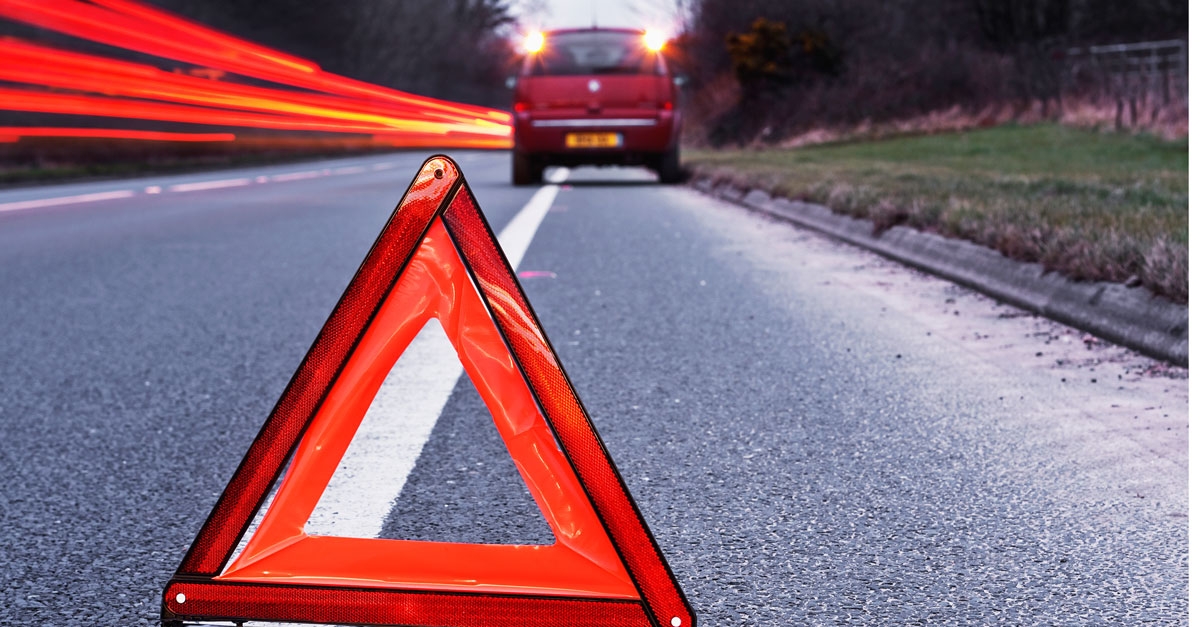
(654, 40)
(534, 42)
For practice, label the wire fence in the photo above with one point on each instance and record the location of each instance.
(1142, 78)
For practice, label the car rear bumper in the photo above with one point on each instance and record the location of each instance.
(642, 137)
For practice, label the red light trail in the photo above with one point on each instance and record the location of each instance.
(14, 133)
(42, 79)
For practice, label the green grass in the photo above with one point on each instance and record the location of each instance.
(1096, 206)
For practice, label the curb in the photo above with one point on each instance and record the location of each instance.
(1131, 317)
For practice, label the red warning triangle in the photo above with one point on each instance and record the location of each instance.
(435, 259)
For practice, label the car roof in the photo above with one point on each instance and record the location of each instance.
(594, 29)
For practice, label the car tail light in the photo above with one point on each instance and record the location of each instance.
(520, 106)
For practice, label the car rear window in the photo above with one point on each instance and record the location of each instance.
(567, 54)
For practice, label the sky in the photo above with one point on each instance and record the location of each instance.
(662, 15)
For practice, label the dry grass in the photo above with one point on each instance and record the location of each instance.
(1092, 205)
(1169, 122)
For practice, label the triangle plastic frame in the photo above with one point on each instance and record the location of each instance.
(438, 204)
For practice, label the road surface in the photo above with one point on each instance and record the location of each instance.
(814, 435)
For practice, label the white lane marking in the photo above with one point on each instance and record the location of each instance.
(188, 187)
(65, 200)
(296, 176)
(203, 185)
(390, 438)
(375, 468)
(519, 232)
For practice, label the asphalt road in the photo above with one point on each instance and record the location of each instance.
(815, 436)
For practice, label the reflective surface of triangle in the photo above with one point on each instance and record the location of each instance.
(436, 259)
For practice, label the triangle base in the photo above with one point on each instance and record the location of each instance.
(189, 601)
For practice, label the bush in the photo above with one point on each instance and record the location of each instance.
(810, 64)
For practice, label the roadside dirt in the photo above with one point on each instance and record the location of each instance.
(1121, 413)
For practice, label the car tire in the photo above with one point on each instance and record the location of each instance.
(525, 169)
(669, 170)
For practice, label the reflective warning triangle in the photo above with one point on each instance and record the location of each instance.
(435, 259)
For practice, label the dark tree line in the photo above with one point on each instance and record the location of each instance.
(807, 63)
(451, 49)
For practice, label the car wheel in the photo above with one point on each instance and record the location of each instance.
(669, 170)
(525, 169)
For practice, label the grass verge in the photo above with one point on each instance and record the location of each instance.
(1091, 205)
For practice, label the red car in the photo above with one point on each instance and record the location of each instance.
(597, 96)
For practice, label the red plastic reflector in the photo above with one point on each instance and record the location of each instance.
(225, 601)
(435, 259)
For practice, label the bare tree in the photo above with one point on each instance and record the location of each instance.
(454, 49)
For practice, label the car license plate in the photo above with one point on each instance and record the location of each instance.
(594, 140)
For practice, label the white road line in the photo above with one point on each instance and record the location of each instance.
(398, 423)
(188, 187)
(392, 434)
(203, 185)
(296, 176)
(65, 200)
(519, 232)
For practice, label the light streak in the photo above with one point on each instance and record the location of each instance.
(49, 80)
(23, 62)
(14, 133)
